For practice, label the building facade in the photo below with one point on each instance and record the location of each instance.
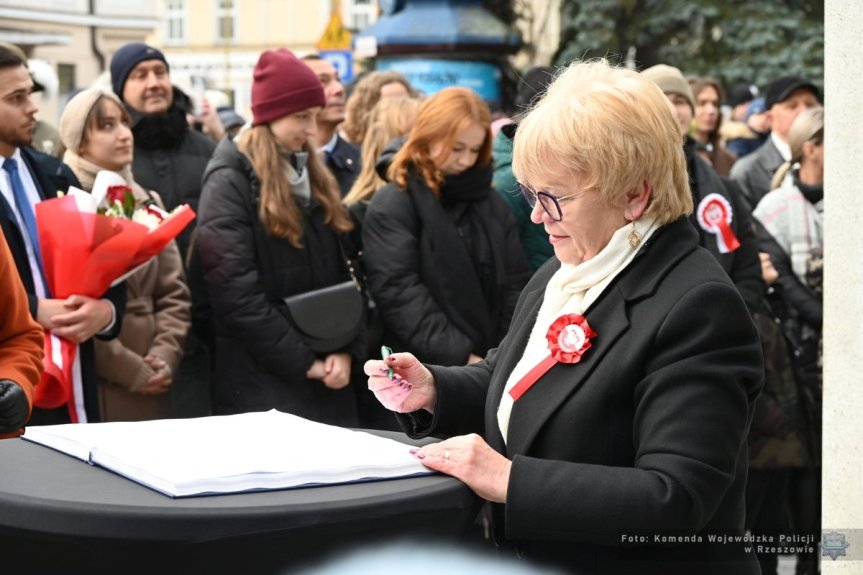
(210, 44)
(76, 37)
(214, 44)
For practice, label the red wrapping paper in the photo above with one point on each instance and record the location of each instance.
(83, 254)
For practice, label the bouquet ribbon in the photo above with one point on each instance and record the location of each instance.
(568, 338)
(55, 387)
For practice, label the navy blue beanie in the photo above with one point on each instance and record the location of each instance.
(126, 58)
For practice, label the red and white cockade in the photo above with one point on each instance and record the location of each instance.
(569, 337)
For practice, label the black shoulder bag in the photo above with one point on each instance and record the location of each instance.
(330, 317)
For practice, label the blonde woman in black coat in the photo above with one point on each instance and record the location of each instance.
(612, 418)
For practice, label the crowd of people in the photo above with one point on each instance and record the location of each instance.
(649, 262)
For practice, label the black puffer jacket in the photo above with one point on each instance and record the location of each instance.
(742, 265)
(442, 300)
(261, 359)
(170, 158)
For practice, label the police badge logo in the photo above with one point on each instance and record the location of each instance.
(833, 545)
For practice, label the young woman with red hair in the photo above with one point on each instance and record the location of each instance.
(443, 258)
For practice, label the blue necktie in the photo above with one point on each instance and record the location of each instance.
(25, 210)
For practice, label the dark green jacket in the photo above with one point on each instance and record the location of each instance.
(533, 237)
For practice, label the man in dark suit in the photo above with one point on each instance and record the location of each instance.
(342, 157)
(784, 99)
(27, 178)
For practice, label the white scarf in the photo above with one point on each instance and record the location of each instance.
(571, 290)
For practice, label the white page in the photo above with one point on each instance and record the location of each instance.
(234, 453)
(72, 439)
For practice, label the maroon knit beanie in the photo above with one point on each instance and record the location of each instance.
(282, 85)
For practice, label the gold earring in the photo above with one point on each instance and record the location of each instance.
(634, 237)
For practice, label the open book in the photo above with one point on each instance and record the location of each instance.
(231, 453)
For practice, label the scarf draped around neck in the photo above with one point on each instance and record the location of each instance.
(572, 290)
(86, 172)
(472, 275)
(159, 131)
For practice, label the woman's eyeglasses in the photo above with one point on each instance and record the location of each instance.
(549, 202)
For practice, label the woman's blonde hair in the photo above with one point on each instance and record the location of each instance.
(440, 120)
(611, 127)
(808, 126)
(388, 120)
(363, 98)
(277, 208)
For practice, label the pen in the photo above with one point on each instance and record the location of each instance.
(385, 353)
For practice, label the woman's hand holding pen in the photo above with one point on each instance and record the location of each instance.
(411, 387)
(467, 457)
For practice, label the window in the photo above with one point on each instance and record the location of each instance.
(360, 14)
(66, 77)
(226, 20)
(175, 21)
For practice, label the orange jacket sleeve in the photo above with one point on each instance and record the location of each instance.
(21, 338)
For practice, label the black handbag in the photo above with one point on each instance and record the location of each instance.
(330, 317)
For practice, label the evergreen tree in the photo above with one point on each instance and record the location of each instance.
(731, 40)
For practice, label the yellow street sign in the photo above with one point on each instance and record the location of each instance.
(336, 36)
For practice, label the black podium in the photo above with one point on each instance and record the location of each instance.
(61, 515)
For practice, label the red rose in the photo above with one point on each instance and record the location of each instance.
(117, 193)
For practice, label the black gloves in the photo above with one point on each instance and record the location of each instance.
(13, 406)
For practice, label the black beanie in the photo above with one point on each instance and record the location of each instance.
(781, 88)
(126, 58)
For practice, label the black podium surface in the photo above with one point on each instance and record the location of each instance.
(91, 520)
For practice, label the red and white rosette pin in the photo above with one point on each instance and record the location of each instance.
(714, 216)
(568, 338)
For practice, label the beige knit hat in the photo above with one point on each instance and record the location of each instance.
(74, 118)
(670, 80)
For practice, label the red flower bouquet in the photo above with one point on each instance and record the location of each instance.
(85, 252)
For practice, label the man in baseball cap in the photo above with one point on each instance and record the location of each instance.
(784, 98)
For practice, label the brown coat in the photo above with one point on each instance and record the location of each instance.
(21, 338)
(157, 318)
(158, 307)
